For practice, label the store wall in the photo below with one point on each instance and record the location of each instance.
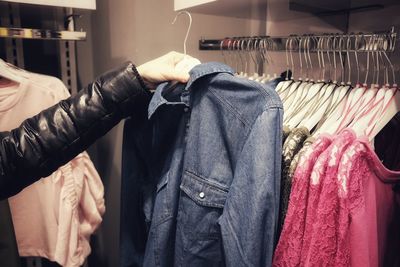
(138, 30)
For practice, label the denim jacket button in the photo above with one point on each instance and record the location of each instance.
(186, 109)
(202, 195)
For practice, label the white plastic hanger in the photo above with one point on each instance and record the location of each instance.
(331, 92)
(353, 102)
(391, 102)
(368, 117)
(330, 120)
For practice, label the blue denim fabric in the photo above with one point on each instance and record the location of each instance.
(201, 179)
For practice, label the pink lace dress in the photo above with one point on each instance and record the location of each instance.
(288, 250)
(322, 234)
(343, 210)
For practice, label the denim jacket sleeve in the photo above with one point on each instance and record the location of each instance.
(249, 220)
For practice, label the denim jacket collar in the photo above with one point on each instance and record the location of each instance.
(196, 73)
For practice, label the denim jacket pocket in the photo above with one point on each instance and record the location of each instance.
(201, 205)
(202, 202)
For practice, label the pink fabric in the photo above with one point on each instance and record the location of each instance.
(343, 210)
(288, 250)
(322, 245)
(54, 217)
(372, 206)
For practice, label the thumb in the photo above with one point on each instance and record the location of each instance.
(180, 76)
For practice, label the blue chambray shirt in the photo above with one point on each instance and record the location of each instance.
(201, 178)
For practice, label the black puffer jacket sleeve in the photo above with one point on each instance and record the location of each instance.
(56, 135)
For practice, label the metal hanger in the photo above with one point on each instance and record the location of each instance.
(221, 45)
(188, 29)
(187, 63)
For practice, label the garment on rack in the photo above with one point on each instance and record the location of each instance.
(292, 145)
(202, 178)
(64, 209)
(350, 199)
(288, 250)
(295, 161)
(323, 215)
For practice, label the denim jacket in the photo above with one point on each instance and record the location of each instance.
(201, 179)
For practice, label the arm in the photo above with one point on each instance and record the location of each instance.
(249, 220)
(56, 135)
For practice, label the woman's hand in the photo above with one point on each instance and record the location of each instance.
(165, 69)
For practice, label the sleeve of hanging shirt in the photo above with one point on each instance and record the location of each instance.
(249, 220)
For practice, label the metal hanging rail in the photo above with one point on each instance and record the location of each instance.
(354, 42)
(26, 33)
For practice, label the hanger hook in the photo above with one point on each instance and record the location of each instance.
(356, 45)
(188, 30)
(390, 37)
(348, 48)
(300, 59)
(310, 42)
(328, 55)
(287, 58)
(334, 47)
(321, 60)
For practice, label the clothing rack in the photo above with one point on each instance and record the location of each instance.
(334, 42)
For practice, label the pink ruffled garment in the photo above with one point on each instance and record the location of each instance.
(54, 217)
(373, 208)
(288, 250)
(321, 235)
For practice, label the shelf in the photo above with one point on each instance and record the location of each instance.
(326, 8)
(84, 4)
(254, 9)
(24, 33)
